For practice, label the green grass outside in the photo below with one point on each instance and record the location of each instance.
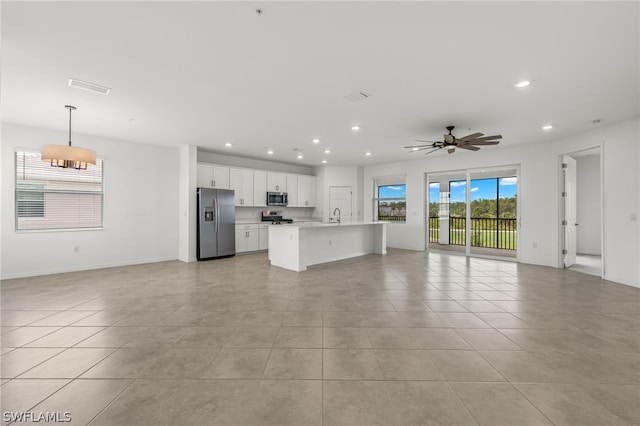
(508, 239)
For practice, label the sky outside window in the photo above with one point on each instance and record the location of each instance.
(482, 189)
(392, 191)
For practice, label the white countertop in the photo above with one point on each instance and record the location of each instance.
(328, 224)
(258, 222)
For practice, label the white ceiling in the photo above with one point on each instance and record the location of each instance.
(204, 73)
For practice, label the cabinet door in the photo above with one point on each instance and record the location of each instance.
(276, 182)
(311, 191)
(306, 191)
(235, 183)
(205, 176)
(221, 177)
(252, 240)
(292, 190)
(241, 241)
(246, 192)
(259, 188)
(263, 237)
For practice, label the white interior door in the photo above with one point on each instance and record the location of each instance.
(569, 223)
(340, 197)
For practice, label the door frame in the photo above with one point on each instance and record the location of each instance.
(468, 172)
(330, 213)
(560, 201)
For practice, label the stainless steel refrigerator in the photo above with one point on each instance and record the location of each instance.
(216, 223)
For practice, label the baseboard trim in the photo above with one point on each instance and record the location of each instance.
(86, 267)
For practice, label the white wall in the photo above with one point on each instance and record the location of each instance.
(538, 195)
(187, 223)
(588, 205)
(251, 163)
(338, 176)
(140, 209)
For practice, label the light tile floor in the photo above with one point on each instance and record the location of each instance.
(407, 338)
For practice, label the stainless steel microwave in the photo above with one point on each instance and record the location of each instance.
(277, 199)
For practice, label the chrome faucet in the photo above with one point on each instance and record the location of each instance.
(334, 213)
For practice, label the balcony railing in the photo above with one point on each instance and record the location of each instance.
(393, 218)
(497, 233)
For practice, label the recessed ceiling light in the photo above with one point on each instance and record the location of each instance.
(547, 127)
(91, 87)
(524, 83)
(368, 154)
(300, 157)
(327, 151)
(355, 127)
(324, 161)
(227, 144)
(316, 141)
(270, 152)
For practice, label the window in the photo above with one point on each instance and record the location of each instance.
(56, 198)
(392, 203)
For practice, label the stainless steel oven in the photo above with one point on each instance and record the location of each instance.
(277, 199)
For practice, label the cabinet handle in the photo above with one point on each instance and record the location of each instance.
(214, 183)
(277, 188)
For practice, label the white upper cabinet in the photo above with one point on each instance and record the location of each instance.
(210, 176)
(259, 188)
(241, 181)
(251, 186)
(276, 182)
(292, 190)
(306, 191)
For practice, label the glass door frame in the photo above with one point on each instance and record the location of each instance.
(468, 172)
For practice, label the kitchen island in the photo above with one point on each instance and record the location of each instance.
(296, 246)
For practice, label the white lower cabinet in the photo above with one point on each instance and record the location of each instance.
(263, 242)
(251, 237)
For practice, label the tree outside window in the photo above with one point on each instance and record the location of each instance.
(392, 203)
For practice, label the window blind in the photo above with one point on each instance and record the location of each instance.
(56, 198)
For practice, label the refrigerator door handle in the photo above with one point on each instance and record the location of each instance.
(217, 215)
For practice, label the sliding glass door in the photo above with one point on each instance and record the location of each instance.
(473, 211)
(493, 214)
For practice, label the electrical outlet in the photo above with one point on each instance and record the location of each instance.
(329, 242)
(634, 217)
(76, 249)
(535, 245)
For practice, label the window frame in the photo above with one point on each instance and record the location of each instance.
(18, 187)
(379, 199)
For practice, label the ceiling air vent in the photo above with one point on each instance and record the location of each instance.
(79, 84)
(356, 97)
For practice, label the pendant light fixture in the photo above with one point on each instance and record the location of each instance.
(68, 156)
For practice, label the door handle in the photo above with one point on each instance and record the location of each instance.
(217, 215)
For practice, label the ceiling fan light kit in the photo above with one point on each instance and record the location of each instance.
(470, 142)
(68, 156)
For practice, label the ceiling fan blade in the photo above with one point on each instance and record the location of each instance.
(420, 140)
(433, 150)
(420, 145)
(483, 143)
(420, 149)
(486, 138)
(473, 136)
(469, 147)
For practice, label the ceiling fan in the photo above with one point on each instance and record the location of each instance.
(450, 143)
